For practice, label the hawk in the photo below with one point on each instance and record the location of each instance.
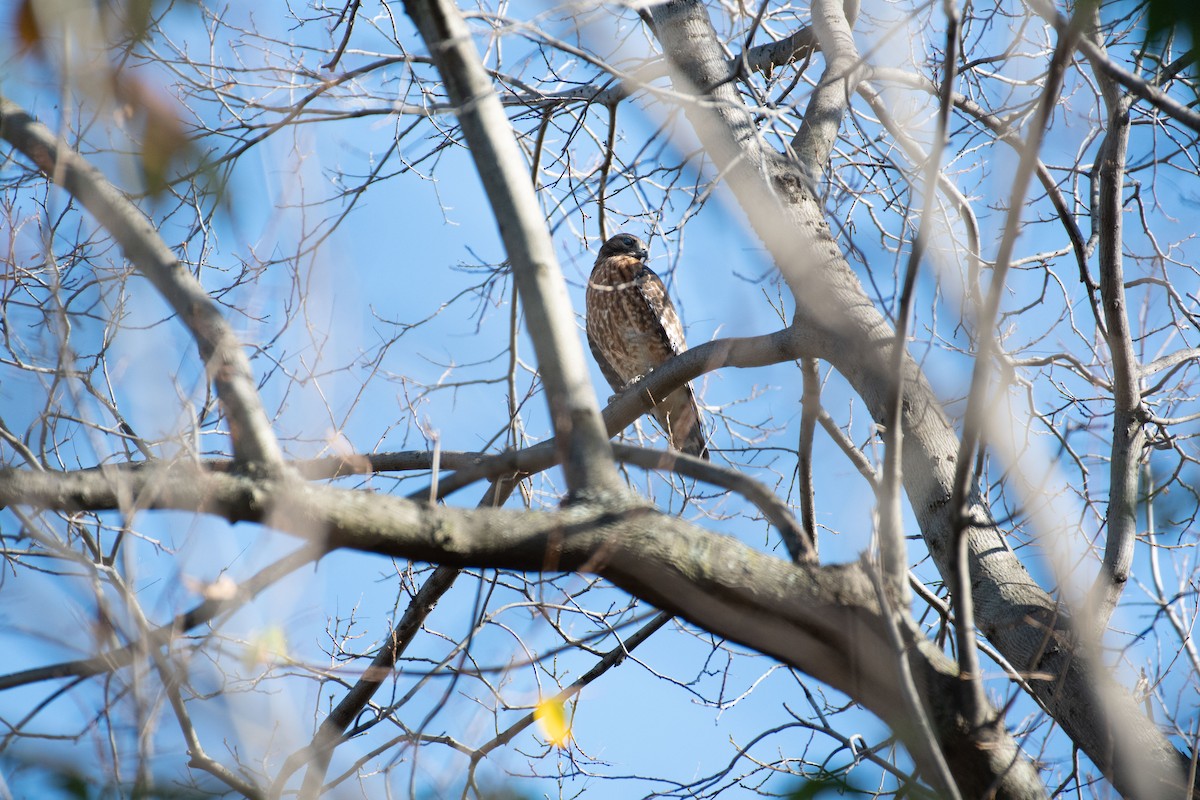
(632, 328)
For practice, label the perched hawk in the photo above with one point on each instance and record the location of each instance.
(632, 328)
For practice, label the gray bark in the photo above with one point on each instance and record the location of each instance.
(825, 620)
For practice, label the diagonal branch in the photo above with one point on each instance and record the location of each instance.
(1027, 626)
(585, 455)
(224, 360)
(843, 72)
(211, 608)
(610, 659)
(1108, 69)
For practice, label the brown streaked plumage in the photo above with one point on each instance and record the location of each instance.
(632, 328)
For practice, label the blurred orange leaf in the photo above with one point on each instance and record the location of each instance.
(164, 141)
(25, 27)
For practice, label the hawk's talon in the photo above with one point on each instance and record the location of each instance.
(634, 381)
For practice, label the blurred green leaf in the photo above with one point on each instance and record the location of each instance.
(826, 785)
(1166, 16)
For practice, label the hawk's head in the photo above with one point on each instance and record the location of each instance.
(624, 244)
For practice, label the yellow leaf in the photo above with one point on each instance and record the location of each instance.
(551, 716)
(268, 647)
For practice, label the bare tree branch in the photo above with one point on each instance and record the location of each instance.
(1128, 435)
(1024, 623)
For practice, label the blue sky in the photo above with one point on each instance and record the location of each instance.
(413, 242)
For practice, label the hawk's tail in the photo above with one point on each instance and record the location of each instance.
(679, 416)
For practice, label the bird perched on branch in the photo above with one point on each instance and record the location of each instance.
(632, 328)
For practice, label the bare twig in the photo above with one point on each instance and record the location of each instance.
(209, 609)
(810, 411)
(611, 659)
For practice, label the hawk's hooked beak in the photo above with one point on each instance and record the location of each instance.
(643, 254)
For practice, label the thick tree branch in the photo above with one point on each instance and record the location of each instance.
(823, 620)
(1129, 437)
(843, 72)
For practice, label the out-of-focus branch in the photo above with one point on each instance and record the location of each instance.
(943, 778)
(115, 659)
(173, 679)
(586, 455)
(1106, 67)
(893, 553)
(1011, 609)
(978, 398)
(1007, 134)
(224, 360)
(918, 156)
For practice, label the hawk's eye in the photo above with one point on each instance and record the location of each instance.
(627, 241)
